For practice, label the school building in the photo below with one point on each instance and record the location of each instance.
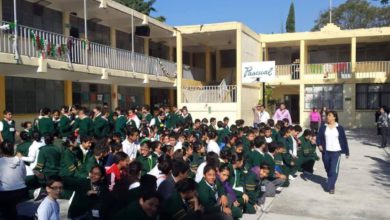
(127, 59)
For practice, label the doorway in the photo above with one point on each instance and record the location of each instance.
(292, 104)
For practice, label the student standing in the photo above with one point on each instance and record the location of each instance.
(7, 128)
(45, 124)
(315, 120)
(282, 113)
(332, 142)
(49, 209)
(383, 123)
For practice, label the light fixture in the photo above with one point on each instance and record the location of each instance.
(95, 20)
(174, 83)
(146, 79)
(145, 20)
(174, 34)
(43, 3)
(104, 74)
(42, 65)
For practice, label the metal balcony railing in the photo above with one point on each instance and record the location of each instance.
(34, 42)
(290, 71)
(372, 69)
(209, 94)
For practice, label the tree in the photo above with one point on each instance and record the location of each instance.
(290, 23)
(145, 7)
(355, 14)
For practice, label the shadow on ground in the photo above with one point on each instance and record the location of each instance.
(316, 179)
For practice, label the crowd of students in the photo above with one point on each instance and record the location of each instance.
(137, 165)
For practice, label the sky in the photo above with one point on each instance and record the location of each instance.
(262, 16)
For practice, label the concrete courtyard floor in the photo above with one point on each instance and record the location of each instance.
(362, 189)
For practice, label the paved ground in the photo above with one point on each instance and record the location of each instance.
(362, 190)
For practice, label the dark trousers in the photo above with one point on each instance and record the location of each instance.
(9, 200)
(332, 164)
(314, 126)
(384, 131)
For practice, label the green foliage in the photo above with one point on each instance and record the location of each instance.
(355, 14)
(290, 23)
(145, 7)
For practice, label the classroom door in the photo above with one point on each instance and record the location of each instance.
(292, 104)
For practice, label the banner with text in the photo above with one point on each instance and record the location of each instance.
(253, 72)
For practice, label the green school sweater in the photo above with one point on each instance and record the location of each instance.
(64, 126)
(255, 158)
(69, 163)
(101, 127)
(48, 161)
(120, 125)
(86, 167)
(147, 163)
(207, 197)
(46, 126)
(8, 132)
(23, 148)
(175, 209)
(269, 160)
(85, 126)
(133, 211)
(82, 203)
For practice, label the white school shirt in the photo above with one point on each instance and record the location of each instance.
(293, 151)
(332, 139)
(212, 146)
(2, 126)
(48, 210)
(199, 172)
(130, 149)
(32, 156)
(263, 117)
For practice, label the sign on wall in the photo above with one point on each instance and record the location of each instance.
(253, 72)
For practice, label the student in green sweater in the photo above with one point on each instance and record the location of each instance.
(7, 128)
(65, 124)
(99, 152)
(307, 154)
(146, 116)
(212, 195)
(45, 123)
(255, 187)
(89, 194)
(146, 208)
(233, 200)
(120, 123)
(83, 124)
(183, 204)
(100, 124)
(146, 157)
(256, 156)
(49, 158)
(69, 161)
(23, 147)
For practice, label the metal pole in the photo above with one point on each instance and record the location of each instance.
(15, 47)
(86, 32)
(132, 38)
(263, 93)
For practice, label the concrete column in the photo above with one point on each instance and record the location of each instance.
(179, 62)
(239, 72)
(218, 63)
(113, 37)
(147, 95)
(265, 51)
(146, 46)
(2, 92)
(68, 92)
(65, 23)
(208, 64)
(302, 105)
(303, 58)
(114, 96)
(353, 54)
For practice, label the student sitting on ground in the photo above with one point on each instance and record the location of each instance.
(114, 172)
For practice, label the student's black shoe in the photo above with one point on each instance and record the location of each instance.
(331, 191)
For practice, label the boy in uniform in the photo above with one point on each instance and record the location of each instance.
(7, 128)
(83, 124)
(45, 124)
(146, 157)
(49, 158)
(254, 187)
(100, 124)
(65, 124)
(120, 123)
(256, 157)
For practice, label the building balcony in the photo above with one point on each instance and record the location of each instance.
(332, 71)
(209, 94)
(32, 42)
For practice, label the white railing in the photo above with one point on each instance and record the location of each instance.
(372, 69)
(342, 69)
(72, 50)
(209, 94)
(290, 71)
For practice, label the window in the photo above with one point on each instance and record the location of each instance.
(371, 96)
(27, 95)
(228, 58)
(330, 96)
(91, 95)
